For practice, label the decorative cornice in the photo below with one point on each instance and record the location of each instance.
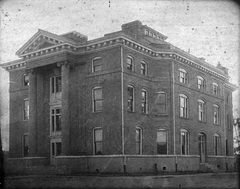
(174, 54)
(231, 86)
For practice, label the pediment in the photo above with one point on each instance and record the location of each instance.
(42, 39)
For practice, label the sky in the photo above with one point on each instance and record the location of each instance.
(205, 28)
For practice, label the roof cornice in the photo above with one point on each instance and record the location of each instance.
(173, 53)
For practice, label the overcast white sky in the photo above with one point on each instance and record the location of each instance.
(209, 29)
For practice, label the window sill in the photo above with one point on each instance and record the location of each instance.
(97, 112)
(202, 121)
(217, 124)
(130, 111)
(144, 113)
(185, 118)
(161, 115)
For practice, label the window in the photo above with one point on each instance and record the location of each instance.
(201, 110)
(25, 145)
(183, 76)
(161, 142)
(25, 80)
(143, 68)
(144, 101)
(130, 99)
(56, 148)
(130, 63)
(25, 109)
(146, 32)
(97, 64)
(184, 142)
(97, 99)
(227, 98)
(56, 84)
(215, 89)
(216, 114)
(55, 119)
(201, 83)
(183, 106)
(217, 148)
(161, 102)
(98, 149)
(228, 121)
(138, 140)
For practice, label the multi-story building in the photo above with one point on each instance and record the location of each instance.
(129, 93)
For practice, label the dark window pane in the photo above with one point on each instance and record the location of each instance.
(58, 148)
(98, 148)
(58, 84)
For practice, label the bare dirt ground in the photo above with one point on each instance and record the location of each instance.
(201, 180)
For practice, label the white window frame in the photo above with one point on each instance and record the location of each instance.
(200, 83)
(94, 100)
(143, 71)
(144, 101)
(201, 112)
(183, 76)
(53, 123)
(132, 63)
(131, 100)
(215, 88)
(216, 114)
(139, 140)
(217, 146)
(25, 109)
(93, 66)
(184, 110)
(186, 142)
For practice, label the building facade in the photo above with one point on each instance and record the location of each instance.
(127, 93)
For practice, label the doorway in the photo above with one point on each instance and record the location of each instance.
(202, 147)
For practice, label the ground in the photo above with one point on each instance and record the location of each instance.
(200, 180)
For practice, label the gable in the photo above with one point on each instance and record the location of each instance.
(42, 39)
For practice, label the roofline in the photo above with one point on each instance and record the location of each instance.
(119, 34)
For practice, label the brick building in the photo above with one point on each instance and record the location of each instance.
(129, 95)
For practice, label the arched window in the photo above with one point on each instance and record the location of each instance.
(216, 114)
(144, 101)
(97, 64)
(183, 76)
(217, 145)
(26, 109)
(97, 99)
(138, 140)
(183, 101)
(215, 88)
(25, 149)
(143, 68)
(201, 110)
(130, 98)
(97, 141)
(130, 63)
(162, 144)
(161, 103)
(25, 79)
(201, 83)
(184, 142)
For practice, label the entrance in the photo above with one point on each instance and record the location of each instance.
(202, 147)
(56, 149)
